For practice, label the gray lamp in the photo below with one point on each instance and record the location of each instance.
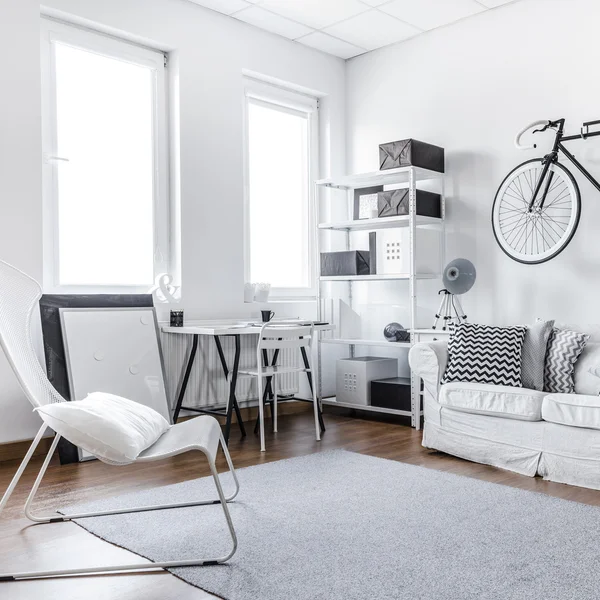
(458, 278)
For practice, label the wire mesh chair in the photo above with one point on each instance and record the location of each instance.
(19, 296)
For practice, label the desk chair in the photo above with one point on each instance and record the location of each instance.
(278, 337)
(19, 296)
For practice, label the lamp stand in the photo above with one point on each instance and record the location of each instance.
(450, 310)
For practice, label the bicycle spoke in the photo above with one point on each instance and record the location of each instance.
(513, 206)
(518, 190)
(548, 240)
(514, 230)
(558, 200)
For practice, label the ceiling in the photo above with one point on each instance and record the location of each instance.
(347, 28)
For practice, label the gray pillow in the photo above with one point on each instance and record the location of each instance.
(564, 348)
(534, 354)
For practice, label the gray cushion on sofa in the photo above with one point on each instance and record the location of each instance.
(534, 354)
(564, 348)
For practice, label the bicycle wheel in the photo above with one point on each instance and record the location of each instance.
(537, 236)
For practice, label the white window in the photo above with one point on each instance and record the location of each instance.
(106, 214)
(281, 166)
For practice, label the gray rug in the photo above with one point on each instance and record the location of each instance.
(340, 525)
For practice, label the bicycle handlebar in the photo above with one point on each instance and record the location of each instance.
(518, 144)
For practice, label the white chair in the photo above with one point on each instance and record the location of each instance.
(19, 296)
(277, 337)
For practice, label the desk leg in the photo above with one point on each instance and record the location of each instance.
(186, 376)
(310, 384)
(232, 403)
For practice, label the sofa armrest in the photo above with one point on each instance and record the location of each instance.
(428, 360)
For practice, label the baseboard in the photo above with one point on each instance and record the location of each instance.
(17, 450)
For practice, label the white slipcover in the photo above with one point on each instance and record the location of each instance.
(575, 410)
(493, 400)
(472, 428)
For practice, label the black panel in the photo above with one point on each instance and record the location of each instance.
(394, 393)
(54, 350)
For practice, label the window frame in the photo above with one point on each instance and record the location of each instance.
(294, 102)
(52, 32)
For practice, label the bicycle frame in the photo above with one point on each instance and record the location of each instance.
(553, 158)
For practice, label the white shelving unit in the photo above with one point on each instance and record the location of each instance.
(404, 177)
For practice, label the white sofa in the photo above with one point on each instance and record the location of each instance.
(533, 433)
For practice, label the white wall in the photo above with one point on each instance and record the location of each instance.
(20, 179)
(469, 87)
(209, 52)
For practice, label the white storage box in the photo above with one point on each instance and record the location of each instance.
(390, 251)
(354, 376)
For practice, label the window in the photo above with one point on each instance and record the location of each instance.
(281, 158)
(106, 217)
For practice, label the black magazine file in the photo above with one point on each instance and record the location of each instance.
(54, 349)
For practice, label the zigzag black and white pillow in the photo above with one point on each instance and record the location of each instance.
(483, 354)
(564, 348)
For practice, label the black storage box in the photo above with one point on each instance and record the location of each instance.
(396, 202)
(351, 262)
(407, 153)
(393, 393)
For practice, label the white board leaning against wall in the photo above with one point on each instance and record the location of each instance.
(115, 350)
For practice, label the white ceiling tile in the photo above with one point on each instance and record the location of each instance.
(494, 3)
(326, 43)
(372, 29)
(315, 13)
(226, 7)
(429, 14)
(272, 22)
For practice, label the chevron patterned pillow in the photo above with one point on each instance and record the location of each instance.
(483, 354)
(564, 348)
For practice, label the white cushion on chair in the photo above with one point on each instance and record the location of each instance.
(107, 426)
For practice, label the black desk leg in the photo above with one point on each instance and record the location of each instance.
(268, 393)
(236, 407)
(232, 404)
(186, 376)
(310, 383)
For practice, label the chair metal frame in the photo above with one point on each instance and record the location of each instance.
(280, 336)
(19, 295)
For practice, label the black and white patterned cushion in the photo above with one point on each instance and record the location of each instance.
(534, 354)
(483, 354)
(564, 348)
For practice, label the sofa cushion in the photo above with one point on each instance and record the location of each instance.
(534, 354)
(484, 354)
(575, 410)
(493, 400)
(564, 348)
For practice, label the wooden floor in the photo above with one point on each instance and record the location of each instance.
(24, 546)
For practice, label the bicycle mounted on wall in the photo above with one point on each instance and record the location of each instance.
(537, 207)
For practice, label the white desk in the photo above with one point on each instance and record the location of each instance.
(235, 330)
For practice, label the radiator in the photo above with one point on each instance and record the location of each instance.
(207, 386)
